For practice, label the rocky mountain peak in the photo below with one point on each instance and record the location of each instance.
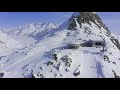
(86, 17)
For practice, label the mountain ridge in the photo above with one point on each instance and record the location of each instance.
(31, 29)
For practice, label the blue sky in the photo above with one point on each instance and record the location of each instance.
(16, 19)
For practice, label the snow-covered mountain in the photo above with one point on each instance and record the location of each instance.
(32, 30)
(49, 56)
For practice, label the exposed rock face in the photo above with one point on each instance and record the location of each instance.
(86, 17)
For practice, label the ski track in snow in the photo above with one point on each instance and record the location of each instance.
(90, 65)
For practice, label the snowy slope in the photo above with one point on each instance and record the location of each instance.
(49, 56)
(7, 44)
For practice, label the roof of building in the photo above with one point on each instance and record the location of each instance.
(74, 43)
(96, 40)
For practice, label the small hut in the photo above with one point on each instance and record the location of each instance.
(98, 44)
(94, 43)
